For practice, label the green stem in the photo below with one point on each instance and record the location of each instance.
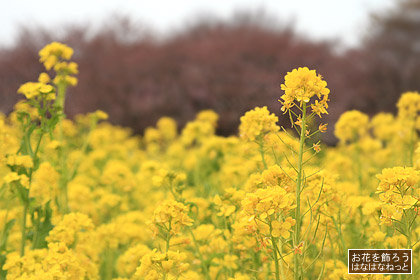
(261, 144)
(28, 145)
(256, 264)
(83, 151)
(109, 264)
(359, 167)
(276, 259)
(340, 233)
(23, 241)
(61, 101)
(411, 148)
(203, 265)
(61, 95)
(168, 238)
(297, 259)
(281, 263)
(408, 236)
(38, 144)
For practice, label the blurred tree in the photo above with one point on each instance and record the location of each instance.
(392, 56)
(229, 66)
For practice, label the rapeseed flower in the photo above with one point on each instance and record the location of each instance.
(301, 85)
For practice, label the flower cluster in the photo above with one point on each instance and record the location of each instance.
(269, 208)
(52, 53)
(409, 105)
(171, 215)
(301, 85)
(157, 265)
(351, 126)
(68, 229)
(78, 196)
(35, 89)
(56, 55)
(44, 183)
(257, 123)
(58, 262)
(396, 189)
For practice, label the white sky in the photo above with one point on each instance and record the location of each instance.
(321, 19)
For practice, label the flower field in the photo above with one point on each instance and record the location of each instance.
(84, 199)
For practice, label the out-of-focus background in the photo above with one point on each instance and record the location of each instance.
(140, 60)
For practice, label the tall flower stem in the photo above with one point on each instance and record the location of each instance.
(409, 244)
(61, 99)
(276, 259)
(203, 265)
(261, 146)
(23, 241)
(299, 180)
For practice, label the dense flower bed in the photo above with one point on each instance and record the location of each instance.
(83, 199)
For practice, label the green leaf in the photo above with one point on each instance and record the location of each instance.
(5, 235)
(43, 228)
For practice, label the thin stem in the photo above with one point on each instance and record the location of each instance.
(23, 240)
(61, 99)
(276, 259)
(297, 259)
(109, 268)
(409, 246)
(28, 145)
(359, 167)
(39, 139)
(281, 263)
(83, 151)
(168, 237)
(203, 265)
(411, 149)
(340, 233)
(261, 144)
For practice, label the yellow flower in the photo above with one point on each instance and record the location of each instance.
(392, 178)
(265, 202)
(377, 236)
(389, 214)
(20, 160)
(44, 183)
(208, 116)
(11, 177)
(66, 67)
(322, 128)
(44, 78)
(226, 210)
(167, 128)
(409, 105)
(384, 127)
(65, 79)
(101, 115)
(32, 90)
(171, 214)
(167, 265)
(301, 85)
(280, 229)
(53, 52)
(405, 202)
(129, 260)
(200, 129)
(257, 123)
(229, 261)
(155, 265)
(68, 229)
(317, 147)
(351, 126)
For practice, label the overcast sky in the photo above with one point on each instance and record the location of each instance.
(322, 19)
